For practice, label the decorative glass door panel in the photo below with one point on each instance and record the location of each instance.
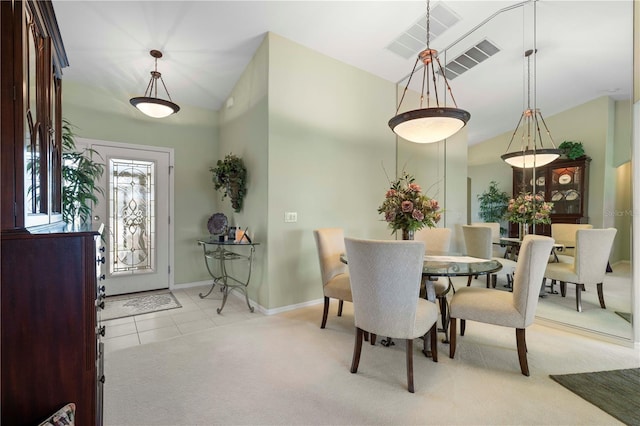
(135, 211)
(132, 216)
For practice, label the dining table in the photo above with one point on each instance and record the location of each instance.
(447, 265)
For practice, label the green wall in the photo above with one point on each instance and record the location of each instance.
(192, 134)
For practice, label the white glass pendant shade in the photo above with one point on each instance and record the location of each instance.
(154, 107)
(428, 125)
(150, 104)
(531, 158)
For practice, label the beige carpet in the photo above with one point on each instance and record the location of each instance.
(285, 370)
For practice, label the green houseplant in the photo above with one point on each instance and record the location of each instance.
(80, 174)
(572, 150)
(230, 176)
(493, 204)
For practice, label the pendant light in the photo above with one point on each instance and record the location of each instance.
(530, 155)
(433, 123)
(150, 104)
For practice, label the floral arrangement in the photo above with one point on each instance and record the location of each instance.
(529, 209)
(405, 207)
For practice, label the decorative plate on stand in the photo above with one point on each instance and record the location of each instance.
(217, 224)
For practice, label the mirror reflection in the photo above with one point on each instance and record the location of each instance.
(601, 121)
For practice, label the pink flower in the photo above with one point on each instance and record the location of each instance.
(407, 206)
(436, 218)
(391, 193)
(434, 204)
(522, 209)
(528, 197)
(417, 215)
(414, 187)
(390, 216)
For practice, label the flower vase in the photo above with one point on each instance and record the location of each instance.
(524, 230)
(407, 234)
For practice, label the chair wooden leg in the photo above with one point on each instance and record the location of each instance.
(463, 326)
(340, 307)
(488, 280)
(579, 297)
(563, 288)
(601, 296)
(469, 281)
(452, 337)
(434, 342)
(372, 338)
(494, 280)
(366, 336)
(410, 365)
(522, 350)
(357, 349)
(325, 312)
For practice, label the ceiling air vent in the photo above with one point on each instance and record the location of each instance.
(414, 40)
(470, 59)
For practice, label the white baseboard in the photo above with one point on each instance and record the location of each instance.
(586, 332)
(237, 293)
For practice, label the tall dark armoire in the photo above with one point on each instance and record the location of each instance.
(50, 339)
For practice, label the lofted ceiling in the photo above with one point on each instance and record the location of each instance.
(584, 47)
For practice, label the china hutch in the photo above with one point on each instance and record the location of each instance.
(564, 182)
(51, 353)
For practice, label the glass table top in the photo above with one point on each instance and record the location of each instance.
(453, 265)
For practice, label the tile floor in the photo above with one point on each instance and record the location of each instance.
(194, 315)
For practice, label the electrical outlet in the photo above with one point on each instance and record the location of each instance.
(290, 216)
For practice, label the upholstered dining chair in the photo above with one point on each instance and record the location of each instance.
(335, 274)
(478, 241)
(508, 309)
(385, 282)
(565, 234)
(438, 241)
(498, 251)
(593, 247)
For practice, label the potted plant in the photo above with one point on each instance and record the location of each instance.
(572, 150)
(493, 204)
(79, 176)
(230, 176)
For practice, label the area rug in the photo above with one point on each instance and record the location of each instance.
(616, 392)
(138, 304)
(625, 315)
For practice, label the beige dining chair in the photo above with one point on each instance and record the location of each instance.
(593, 247)
(385, 282)
(508, 309)
(438, 241)
(498, 251)
(478, 241)
(335, 274)
(565, 234)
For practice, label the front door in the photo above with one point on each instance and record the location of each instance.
(135, 211)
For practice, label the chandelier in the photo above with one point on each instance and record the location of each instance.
(433, 123)
(530, 154)
(150, 104)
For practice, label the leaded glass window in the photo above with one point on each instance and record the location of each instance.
(132, 216)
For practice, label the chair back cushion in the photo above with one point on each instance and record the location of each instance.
(532, 262)
(593, 247)
(565, 233)
(330, 244)
(478, 241)
(497, 251)
(436, 240)
(385, 284)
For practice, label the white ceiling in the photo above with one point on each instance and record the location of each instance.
(584, 47)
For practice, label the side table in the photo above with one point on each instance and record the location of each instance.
(223, 251)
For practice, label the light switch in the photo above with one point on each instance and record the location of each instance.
(290, 216)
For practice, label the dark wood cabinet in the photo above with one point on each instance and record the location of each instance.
(50, 337)
(565, 183)
(50, 342)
